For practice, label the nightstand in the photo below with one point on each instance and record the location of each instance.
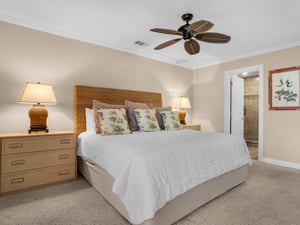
(30, 160)
(192, 126)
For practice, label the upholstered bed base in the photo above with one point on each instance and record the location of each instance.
(175, 209)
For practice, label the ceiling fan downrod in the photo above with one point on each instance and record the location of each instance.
(184, 28)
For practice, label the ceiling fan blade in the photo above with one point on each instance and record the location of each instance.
(200, 26)
(167, 43)
(191, 46)
(212, 37)
(166, 31)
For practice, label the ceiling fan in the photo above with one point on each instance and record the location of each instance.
(190, 32)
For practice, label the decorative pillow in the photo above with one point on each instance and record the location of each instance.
(100, 105)
(170, 120)
(146, 119)
(113, 121)
(130, 107)
(158, 116)
(89, 120)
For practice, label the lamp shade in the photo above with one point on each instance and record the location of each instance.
(37, 93)
(182, 103)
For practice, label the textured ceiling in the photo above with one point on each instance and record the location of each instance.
(255, 26)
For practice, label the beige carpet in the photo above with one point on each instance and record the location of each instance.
(271, 196)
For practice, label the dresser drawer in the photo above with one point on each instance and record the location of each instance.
(22, 162)
(22, 180)
(34, 144)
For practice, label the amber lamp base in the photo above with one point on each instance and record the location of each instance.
(38, 118)
(181, 115)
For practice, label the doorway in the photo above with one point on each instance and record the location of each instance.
(244, 105)
(251, 116)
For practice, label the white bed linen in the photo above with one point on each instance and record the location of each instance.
(152, 168)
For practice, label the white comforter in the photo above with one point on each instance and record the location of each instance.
(152, 168)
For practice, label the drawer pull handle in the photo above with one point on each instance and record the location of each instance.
(15, 145)
(17, 162)
(65, 141)
(17, 180)
(64, 156)
(63, 172)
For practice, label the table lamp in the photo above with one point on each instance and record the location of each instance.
(182, 103)
(39, 95)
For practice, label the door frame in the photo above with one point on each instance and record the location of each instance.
(227, 101)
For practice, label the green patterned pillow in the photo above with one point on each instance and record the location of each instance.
(113, 121)
(146, 119)
(170, 120)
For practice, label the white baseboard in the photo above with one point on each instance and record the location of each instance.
(281, 163)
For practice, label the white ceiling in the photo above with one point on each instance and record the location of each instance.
(255, 26)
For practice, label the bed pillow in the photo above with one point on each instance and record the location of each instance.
(113, 121)
(130, 107)
(146, 119)
(158, 116)
(170, 120)
(89, 120)
(100, 105)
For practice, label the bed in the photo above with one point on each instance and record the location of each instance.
(103, 182)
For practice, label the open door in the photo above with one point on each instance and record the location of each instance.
(237, 106)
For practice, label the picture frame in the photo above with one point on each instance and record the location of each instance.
(284, 89)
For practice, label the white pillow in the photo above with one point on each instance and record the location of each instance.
(89, 120)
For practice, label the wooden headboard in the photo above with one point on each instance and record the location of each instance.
(84, 95)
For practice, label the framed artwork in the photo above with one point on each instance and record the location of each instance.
(284, 88)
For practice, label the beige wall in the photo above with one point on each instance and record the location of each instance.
(281, 128)
(29, 55)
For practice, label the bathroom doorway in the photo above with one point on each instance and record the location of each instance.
(251, 115)
(243, 106)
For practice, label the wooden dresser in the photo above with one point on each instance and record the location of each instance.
(29, 160)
